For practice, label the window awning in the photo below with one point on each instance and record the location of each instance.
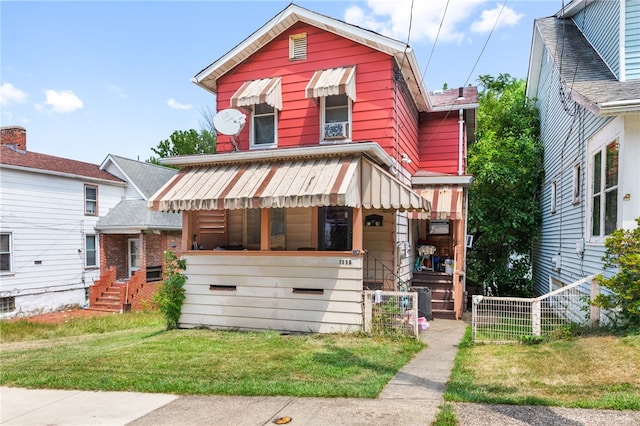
(310, 182)
(446, 202)
(263, 91)
(334, 81)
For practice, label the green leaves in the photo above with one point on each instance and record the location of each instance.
(504, 198)
(185, 142)
(171, 293)
(623, 256)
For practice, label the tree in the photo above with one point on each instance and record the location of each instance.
(185, 142)
(504, 198)
(622, 254)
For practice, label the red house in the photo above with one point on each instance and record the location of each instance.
(336, 172)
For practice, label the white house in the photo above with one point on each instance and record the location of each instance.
(49, 207)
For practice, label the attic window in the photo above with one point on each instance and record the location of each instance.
(298, 47)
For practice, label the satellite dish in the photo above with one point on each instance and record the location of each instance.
(229, 121)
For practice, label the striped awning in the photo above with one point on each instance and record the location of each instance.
(254, 92)
(446, 202)
(310, 182)
(334, 81)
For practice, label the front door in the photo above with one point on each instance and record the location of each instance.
(133, 255)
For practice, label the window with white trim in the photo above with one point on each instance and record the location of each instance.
(90, 200)
(604, 190)
(6, 263)
(91, 251)
(577, 183)
(264, 122)
(336, 117)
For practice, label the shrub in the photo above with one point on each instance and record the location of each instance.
(170, 295)
(623, 255)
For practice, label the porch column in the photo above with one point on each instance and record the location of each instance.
(265, 229)
(357, 225)
(186, 230)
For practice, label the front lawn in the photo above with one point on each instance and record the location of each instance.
(600, 371)
(147, 358)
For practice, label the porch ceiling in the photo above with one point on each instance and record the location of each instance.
(352, 181)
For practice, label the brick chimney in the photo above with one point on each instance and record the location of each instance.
(14, 135)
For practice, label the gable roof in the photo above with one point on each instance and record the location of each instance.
(584, 74)
(11, 157)
(146, 178)
(133, 216)
(405, 58)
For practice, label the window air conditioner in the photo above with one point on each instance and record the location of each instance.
(336, 130)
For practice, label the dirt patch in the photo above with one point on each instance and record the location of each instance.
(62, 316)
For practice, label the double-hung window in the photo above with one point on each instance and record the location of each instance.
(264, 125)
(334, 90)
(5, 253)
(90, 200)
(264, 99)
(91, 250)
(604, 190)
(336, 117)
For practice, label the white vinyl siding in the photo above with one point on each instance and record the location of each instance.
(253, 290)
(48, 243)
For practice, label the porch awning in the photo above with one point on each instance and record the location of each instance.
(309, 182)
(253, 92)
(334, 81)
(446, 202)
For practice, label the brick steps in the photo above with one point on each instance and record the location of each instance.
(109, 300)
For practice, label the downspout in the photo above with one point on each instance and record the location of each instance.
(460, 141)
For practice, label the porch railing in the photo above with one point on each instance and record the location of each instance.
(378, 273)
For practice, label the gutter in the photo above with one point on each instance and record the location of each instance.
(371, 149)
(629, 106)
(62, 174)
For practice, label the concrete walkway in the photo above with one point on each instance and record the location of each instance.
(412, 397)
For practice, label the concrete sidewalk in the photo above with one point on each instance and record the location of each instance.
(411, 397)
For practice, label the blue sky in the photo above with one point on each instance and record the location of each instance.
(88, 79)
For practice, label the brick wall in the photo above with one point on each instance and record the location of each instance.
(14, 135)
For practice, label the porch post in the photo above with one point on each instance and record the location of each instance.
(265, 229)
(186, 230)
(357, 225)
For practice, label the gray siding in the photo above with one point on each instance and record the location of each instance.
(600, 23)
(565, 128)
(632, 39)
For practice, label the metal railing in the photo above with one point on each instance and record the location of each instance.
(511, 319)
(391, 312)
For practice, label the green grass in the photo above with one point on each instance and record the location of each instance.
(147, 358)
(598, 371)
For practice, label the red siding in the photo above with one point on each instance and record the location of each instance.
(299, 120)
(438, 144)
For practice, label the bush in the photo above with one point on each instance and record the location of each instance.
(623, 255)
(170, 296)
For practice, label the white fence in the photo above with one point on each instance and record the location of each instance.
(391, 312)
(509, 319)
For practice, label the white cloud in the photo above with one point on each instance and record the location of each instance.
(119, 91)
(61, 101)
(11, 95)
(176, 105)
(392, 18)
(508, 18)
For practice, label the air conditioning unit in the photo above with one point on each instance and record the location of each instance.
(338, 130)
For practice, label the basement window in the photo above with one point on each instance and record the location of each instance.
(222, 287)
(317, 291)
(7, 304)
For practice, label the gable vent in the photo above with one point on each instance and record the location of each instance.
(298, 47)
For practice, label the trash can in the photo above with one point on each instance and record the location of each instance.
(424, 302)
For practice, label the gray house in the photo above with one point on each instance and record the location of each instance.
(584, 71)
